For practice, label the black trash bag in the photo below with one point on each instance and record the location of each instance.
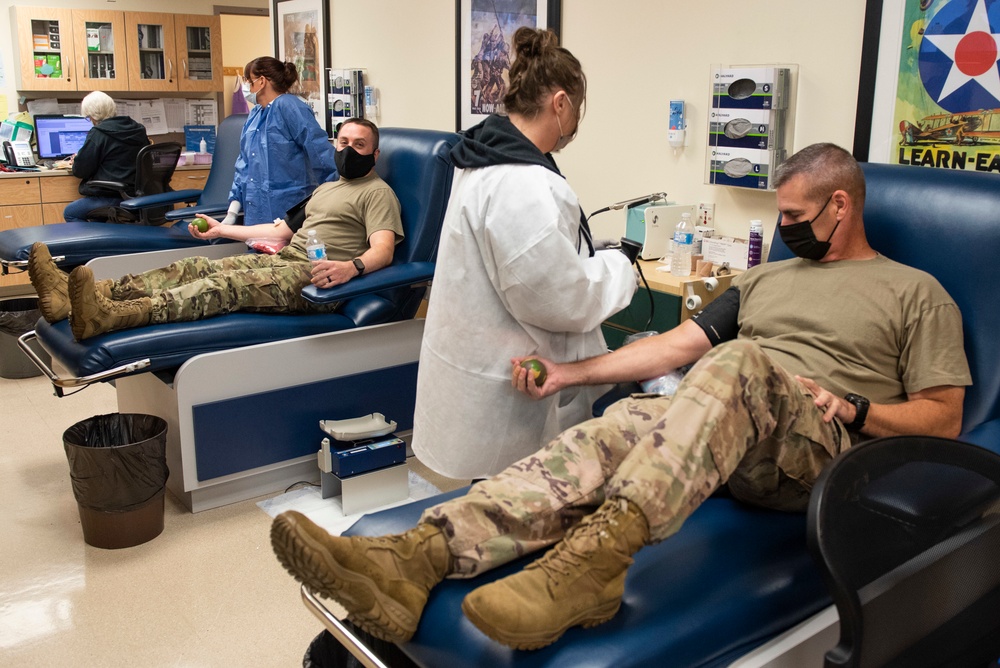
(18, 316)
(326, 652)
(117, 461)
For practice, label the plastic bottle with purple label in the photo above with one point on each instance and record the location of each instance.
(756, 243)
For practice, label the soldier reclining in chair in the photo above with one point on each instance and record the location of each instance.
(798, 361)
(357, 217)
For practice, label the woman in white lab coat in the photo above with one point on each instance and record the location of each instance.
(516, 274)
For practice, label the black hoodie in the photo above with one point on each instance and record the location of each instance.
(109, 154)
(496, 141)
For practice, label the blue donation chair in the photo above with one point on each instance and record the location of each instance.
(73, 244)
(243, 392)
(737, 585)
(907, 534)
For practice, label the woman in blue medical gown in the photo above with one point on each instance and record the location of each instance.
(516, 275)
(284, 153)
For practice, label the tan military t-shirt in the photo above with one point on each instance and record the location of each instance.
(346, 212)
(873, 327)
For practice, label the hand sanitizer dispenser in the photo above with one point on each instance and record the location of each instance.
(675, 133)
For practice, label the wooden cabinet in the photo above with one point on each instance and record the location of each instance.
(100, 50)
(199, 48)
(193, 179)
(64, 50)
(21, 208)
(44, 39)
(669, 307)
(57, 192)
(152, 64)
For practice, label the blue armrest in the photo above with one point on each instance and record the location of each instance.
(214, 210)
(160, 199)
(395, 276)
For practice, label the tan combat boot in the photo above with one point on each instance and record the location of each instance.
(50, 282)
(579, 582)
(91, 313)
(382, 582)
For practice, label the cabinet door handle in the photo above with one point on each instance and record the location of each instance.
(170, 70)
(83, 66)
(184, 62)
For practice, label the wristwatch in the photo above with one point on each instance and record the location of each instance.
(359, 265)
(861, 405)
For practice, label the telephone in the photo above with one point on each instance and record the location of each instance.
(18, 154)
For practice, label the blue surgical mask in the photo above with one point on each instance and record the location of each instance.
(251, 98)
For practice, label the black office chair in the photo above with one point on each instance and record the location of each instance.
(907, 532)
(154, 167)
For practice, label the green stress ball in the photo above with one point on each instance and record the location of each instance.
(537, 367)
(201, 224)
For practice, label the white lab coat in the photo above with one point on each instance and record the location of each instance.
(510, 281)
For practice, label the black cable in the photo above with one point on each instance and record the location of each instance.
(649, 292)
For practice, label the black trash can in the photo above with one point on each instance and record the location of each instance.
(18, 316)
(118, 466)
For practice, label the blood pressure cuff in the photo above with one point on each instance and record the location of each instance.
(296, 216)
(720, 319)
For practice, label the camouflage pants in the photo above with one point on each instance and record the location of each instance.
(196, 287)
(737, 418)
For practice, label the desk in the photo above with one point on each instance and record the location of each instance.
(669, 292)
(29, 199)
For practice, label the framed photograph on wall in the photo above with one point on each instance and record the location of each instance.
(484, 30)
(300, 37)
(929, 92)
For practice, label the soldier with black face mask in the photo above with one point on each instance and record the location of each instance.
(800, 361)
(356, 217)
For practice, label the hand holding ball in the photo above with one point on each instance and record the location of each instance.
(538, 368)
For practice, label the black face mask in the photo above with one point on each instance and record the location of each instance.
(802, 241)
(353, 165)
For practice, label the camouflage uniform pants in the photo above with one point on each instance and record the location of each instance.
(737, 418)
(196, 287)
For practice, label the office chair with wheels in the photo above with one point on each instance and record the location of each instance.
(907, 533)
(154, 167)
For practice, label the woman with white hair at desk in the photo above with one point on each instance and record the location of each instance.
(108, 154)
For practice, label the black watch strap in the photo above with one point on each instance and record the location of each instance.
(861, 405)
(359, 265)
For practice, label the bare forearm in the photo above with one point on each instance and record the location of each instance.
(928, 417)
(645, 358)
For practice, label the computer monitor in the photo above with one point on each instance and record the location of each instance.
(60, 136)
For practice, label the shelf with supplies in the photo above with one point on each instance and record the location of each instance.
(672, 302)
(84, 50)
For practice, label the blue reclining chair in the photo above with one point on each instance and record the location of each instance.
(736, 585)
(73, 244)
(243, 392)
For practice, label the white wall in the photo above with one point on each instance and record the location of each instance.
(642, 54)
(636, 60)
(243, 39)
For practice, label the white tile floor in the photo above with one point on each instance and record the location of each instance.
(207, 592)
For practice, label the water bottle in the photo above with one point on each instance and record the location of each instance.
(315, 249)
(756, 243)
(680, 263)
(202, 146)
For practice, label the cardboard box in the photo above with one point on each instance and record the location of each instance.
(750, 87)
(726, 249)
(742, 167)
(746, 128)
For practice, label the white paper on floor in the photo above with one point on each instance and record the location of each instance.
(329, 513)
